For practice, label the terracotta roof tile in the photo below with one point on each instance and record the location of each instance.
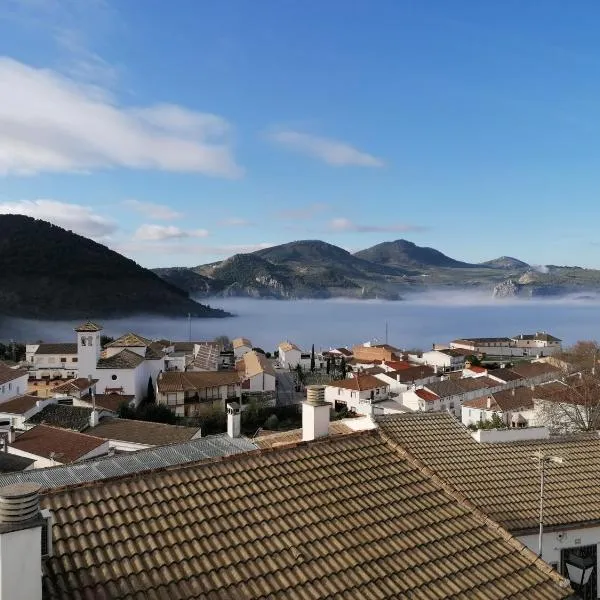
(131, 340)
(88, 326)
(125, 359)
(7, 374)
(501, 478)
(19, 405)
(58, 348)
(239, 342)
(349, 517)
(535, 369)
(110, 402)
(427, 396)
(189, 381)
(74, 385)
(43, 440)
(142, 432)
(358, 382)
(76, 418)
(256, 363)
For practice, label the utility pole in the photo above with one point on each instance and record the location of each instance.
(543, 460)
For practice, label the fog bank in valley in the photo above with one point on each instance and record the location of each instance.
(418, 321)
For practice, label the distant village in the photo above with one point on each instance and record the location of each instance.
(431, 453)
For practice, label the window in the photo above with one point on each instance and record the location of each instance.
(63, 360)
(113, 377)
(9, 387)
(83, 341)
(74, 359)
(46, 540)
(172, 399)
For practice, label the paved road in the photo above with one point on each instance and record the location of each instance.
(286, 392)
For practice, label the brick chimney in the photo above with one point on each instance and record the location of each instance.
(21, 525)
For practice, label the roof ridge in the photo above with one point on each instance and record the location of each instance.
(461, 499)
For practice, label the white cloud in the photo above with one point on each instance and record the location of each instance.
(333, 152)
(343, 224)
(77, 218)
(153, 211)
(49, 122)
(156, 233)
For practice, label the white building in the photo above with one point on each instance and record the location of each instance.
(129, 365)
(13, 382)
(240, 347)
(442, 360)
(536, 345)
(358, 394)
(509, 405)
(402, 380)
(15, 412)
(51, 361)
(289, 355)
(257, 372)
(197, 392)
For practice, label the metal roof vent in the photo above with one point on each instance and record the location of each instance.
(19, 503)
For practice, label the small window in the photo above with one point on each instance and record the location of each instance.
(74, 359)
(63, 360)
(113, 377)
(171, 399)
(9, 387)
(46, 534)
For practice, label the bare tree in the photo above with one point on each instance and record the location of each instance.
(571, 405)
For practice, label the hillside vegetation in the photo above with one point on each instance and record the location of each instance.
(48, 272)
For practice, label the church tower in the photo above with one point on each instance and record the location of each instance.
(88, 348)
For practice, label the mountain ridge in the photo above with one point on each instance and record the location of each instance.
(390, 270)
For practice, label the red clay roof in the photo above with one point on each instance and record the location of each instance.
(19, 405)
(68, 446)
(427, 396)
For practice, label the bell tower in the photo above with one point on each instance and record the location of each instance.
(88, 348)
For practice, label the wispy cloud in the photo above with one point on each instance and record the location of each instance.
(49, 122)
(159, 212)
(302, 213)
(342, 224)
(157, 233)
(188, 252)
(77, 218)
(333, 152)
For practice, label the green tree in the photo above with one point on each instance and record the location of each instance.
(150, 394)
(312, 359)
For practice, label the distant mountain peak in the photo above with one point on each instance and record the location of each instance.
(505, 262)
(405, 254)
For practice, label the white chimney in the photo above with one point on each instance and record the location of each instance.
(94, 418)
(315, 413)
(20, 542)
(234, 420)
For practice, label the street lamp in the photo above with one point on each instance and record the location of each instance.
(543, 460)
(580, 568)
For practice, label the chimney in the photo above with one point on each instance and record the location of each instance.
(94, 418)
(315, 413)
(21, 527)
(234, 420)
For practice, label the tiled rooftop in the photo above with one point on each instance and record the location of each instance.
(7, 374)
(359, 382)
(106, 467)
(348, 517)
(74, 385)
(132, 340)
(76, 418)
(142, 432)
(178, 381)
(58, 348)
(68, 446)
(502, 479)
(19, 405)
(125, 359)
(10, 463)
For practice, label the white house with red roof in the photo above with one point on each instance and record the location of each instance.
(358, 394)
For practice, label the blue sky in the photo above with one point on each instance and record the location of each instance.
(182, 132)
